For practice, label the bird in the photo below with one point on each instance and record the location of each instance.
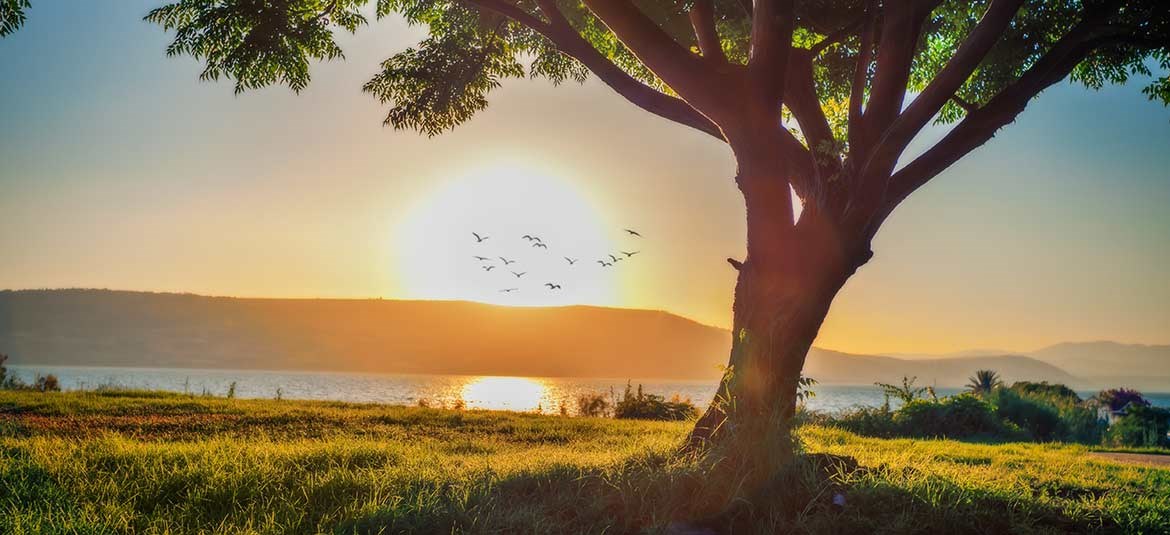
(520, 274)
(529, 237)
(632, 232)
(552, 286)
(604, 263)
(541, 245)
(614, 258)
(488, 268)
(571, 260)
(506, 261)
(478, 238)
(506, 290)
(630, 254)
(481, 258)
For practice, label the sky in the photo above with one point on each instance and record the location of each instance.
(120, 169)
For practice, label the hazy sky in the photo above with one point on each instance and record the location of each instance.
(119, 169)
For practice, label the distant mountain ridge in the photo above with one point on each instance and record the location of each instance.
(119, 328)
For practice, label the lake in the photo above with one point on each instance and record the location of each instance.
(543, 394)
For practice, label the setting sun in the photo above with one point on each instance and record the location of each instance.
(440, 257)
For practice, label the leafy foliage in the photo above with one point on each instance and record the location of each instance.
(445, 79)
(1118, 398)
(907, 392)
(642, 406)
(983, 382)
(1142, 426)
(12, 15)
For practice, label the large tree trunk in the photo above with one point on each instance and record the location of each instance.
(782, 295)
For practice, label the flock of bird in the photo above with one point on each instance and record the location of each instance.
(487, 263)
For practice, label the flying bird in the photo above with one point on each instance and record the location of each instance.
(506, 261)
(488, 268)
(571, 260)
(541, 245)
(520, 274)
(552, 286)
(614, 258)
(481, 258)
(604, 263)
(630, 254)
(507, 290)
(530, 237)
(632, 232)
(478, 238)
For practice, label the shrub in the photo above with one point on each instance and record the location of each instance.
(958, 416)
(1142, 426)
(47, 383)
(593, 405)
(868, 421)
(644, 406)
(1054, 393)
(1117, 398)
(1040, 420)
(907, 392)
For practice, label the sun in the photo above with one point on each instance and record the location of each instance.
(436, 251)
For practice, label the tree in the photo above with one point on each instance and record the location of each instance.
(810, 96)
(906, 393)
(1119, 398)
(983, 382)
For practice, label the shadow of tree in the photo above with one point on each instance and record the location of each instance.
(820, 493)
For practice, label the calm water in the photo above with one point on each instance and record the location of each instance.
(545, 394)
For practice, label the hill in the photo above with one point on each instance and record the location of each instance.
(116, 328)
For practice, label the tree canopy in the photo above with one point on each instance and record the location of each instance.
(839, 71)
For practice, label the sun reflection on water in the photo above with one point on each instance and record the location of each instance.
(505, 393)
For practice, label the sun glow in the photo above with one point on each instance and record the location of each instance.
(505, 393)
(436, 251)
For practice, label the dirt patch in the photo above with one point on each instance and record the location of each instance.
(1160, 461)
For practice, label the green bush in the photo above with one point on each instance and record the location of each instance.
(1056, 394)
(868, 421)
(1040, 420)
(958, 416)
(1140, 427)
(593, 405)
(642, 406)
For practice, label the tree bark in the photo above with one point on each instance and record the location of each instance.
(783, 293)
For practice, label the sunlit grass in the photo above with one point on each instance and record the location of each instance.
(167, 463)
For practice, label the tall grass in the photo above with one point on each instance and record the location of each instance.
(134, 462)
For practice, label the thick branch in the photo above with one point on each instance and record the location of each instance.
(771, 42)
(839, 35)
(702, 17)
(901, 28)
(683, 71)
(953, 75)
(860, 78)
(981, 125)
(568, 41)
(801, 98)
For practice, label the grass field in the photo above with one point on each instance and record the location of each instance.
(138, 462)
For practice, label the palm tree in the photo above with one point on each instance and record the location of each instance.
(983, 382)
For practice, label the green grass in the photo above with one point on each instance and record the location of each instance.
(135, 462)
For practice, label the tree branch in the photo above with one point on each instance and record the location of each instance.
(901, 28)
(953, 75)
(771, 42)
(683, 71)
(839, 35)
(860, 77)
(567, 40)
(981, 125)
(800, 95)
(702, 16)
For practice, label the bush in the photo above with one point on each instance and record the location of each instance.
(1117, 398)
(958, 416)
(868, 421)
(1141, 426)
(644, 406)
(47, 383)
(593, 405)
(1040, 420)
(1056, 394)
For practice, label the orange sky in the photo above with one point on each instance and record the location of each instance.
(151, 180)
